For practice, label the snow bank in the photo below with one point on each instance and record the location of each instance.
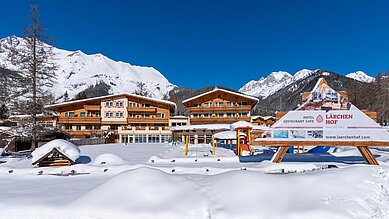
(108, 159)
(148, 193)
(66, 148)
(227, 135)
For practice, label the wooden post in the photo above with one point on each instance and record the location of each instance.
(366, 153)
(238, 142)
(213, 146)
(186, 145)
(280, 154)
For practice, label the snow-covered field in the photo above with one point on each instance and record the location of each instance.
(157, 181)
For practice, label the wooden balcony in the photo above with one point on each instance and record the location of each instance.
(84, 132)
(147, 120)
(224, 108)
(92, 107)
(214, 120)
(79, 120)
(142, 109)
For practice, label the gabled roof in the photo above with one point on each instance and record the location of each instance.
(223, 90)
(112, 96)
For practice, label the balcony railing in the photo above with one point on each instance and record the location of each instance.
(223, 108)
(218, 120)
(92, 107)
(80, 120)
(142, 109)
(147, 120)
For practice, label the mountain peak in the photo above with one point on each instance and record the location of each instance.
(360, 76)
(77, 71)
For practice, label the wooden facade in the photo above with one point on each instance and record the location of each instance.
(125, 114)
(220, 106)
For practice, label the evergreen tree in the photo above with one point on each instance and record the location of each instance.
(3, 112)
(66, 97)
(142, 89)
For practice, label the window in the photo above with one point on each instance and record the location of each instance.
(68, 127)
(132, 115)
(195, 115)
(197, 105)
(132, 104)
(88, 127)
(114, 127)
(159, 106)
(97, 127)
(108, 114)
(242, 114)
(145, 115)
(165, 138)
(230, 104)
(160, 115)
(208, 104)
(78, 127)
(220, 115)
(153, 139)
(119, 114)
(242, 103)
(230, 114)
(145, 105)
(207, 115)
(219, 104)
(83, 114)
(98, 114)
(140, 139)
(69, 114)
(107, 103)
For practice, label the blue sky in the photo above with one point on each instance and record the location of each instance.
(224, 43)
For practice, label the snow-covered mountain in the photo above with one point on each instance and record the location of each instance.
(78, 71)
(360, 76)
(265, 87)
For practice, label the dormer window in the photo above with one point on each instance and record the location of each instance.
(243, 103)
(219, 104)
(208, 104)
(197, 105)
(145, 105)
(230, 104)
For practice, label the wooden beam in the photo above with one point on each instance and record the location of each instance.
(280, 154)
(369, 157)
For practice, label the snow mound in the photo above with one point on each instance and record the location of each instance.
(151, 192)
(108, 159)
(66, 148)
(240, 124)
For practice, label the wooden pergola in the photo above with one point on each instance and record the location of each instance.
(283, 144)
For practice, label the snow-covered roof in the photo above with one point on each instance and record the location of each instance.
(263, 117)
(111, 96)
(201, 127)
(66, 148)
(227, 135)
(219, 89)
(240, 124)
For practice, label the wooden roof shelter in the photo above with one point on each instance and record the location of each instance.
(54, 158)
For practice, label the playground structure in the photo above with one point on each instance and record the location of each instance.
(239, 131)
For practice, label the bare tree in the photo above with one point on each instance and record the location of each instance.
(37, 66)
